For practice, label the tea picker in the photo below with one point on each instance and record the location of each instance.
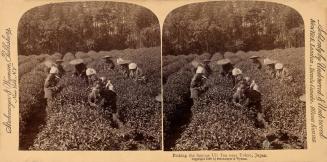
(239, 96)
(108, 62)
(237, 76)
(135, 72)
(269, 67)
(279, 69)
(255, 61)
(253, 99)
(123, 66)
(205, 65)
(50, 84)
(198, 83)
(246, 82)
(107, 83)
(225, 67)
(94, 98)
(91, 75)
(102, 96)
(282, 72)
(58, 65)
(80, 68)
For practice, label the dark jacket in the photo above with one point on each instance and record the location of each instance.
(61, 70)
(197, 85)
(50, 86)
(80, 70)
(226, 69)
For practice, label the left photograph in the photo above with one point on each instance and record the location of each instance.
(89, 77)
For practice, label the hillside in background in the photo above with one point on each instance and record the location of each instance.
(85, 26)
(231, 26)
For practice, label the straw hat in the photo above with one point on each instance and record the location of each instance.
(132, 66)
(199, 70)
(159, 98)
(120, 61)
(90, 71)
(254, 57)
(107, 57)
(302, 98)
(236, 71)
(278, 66)
(76, 61)
(223, 61)
(54, 70)
(267, 61)
(59, 60)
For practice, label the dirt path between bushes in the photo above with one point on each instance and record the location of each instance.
(34, 125)
(179, 123)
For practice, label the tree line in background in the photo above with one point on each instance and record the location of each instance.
(84, 26)
(231, 26)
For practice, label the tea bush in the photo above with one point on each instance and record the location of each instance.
(73, 125)
(30, 96)
(216, 124)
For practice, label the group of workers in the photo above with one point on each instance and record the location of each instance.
(277, 70)
(125, 67)
(246, 92)
(102, 93)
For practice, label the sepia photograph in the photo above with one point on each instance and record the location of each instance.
(233, 77)
(158, 80)
(89, 77)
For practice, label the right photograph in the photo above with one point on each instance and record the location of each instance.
(233, 77)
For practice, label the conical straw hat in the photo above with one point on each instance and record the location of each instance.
(267, 61)
(106, 57)
(254, 57)
(59, 60)
(76, 61)
(223, 61)
(120, 61)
